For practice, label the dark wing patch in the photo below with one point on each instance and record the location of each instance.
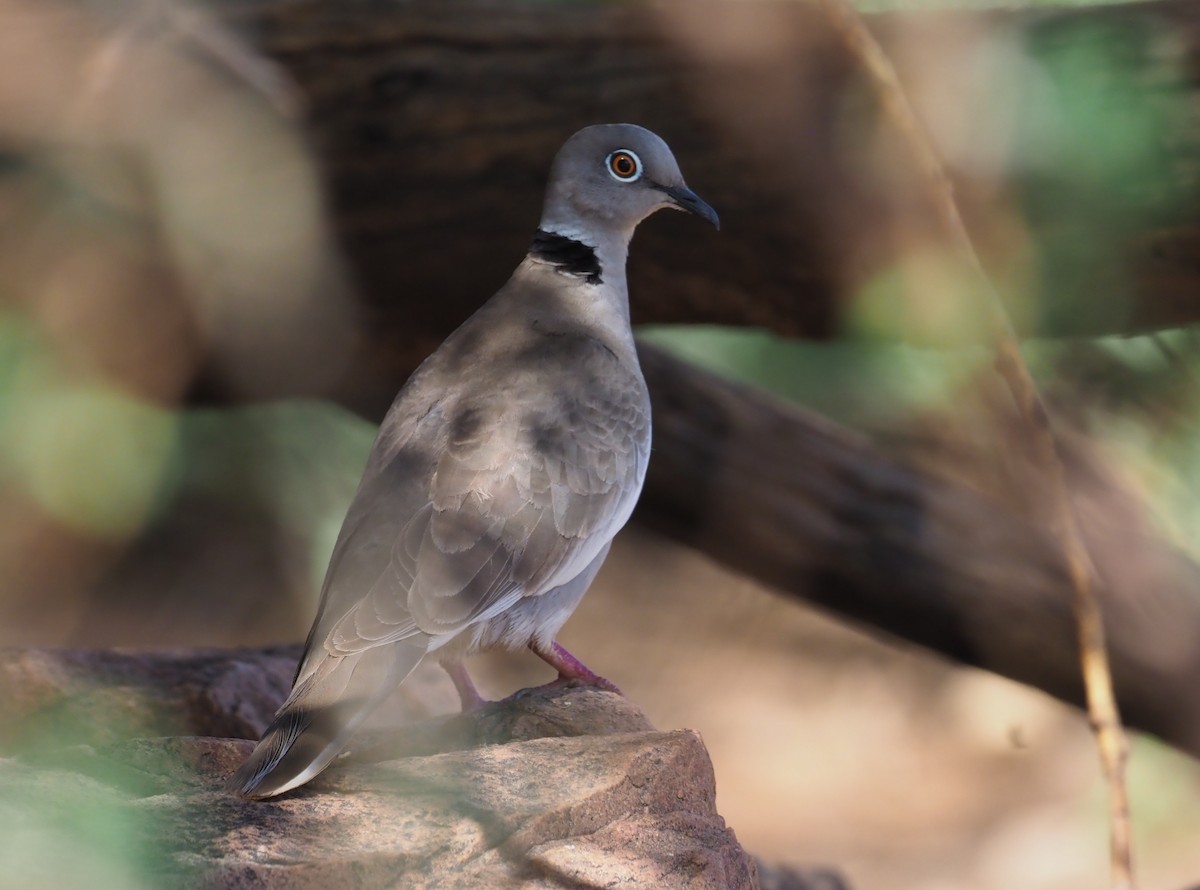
(535, 492)
(527, 488)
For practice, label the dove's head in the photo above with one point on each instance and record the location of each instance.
(608, 178)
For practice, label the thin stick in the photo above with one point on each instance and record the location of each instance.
(164, 19)
(1101, 702)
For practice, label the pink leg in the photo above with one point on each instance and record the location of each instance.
(571, 668)
(467, 693)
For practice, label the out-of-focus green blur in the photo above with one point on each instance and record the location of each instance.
(68, 835)
(1137, 397)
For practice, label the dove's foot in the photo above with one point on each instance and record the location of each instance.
(571, 669)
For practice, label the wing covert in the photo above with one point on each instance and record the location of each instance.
(524, 491)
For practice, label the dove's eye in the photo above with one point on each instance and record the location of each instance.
(624, 165)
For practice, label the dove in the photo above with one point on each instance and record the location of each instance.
(499, 476)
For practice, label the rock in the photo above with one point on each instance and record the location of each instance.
(634, 810)
(102, 696)
(778, 877)
(546, 712)
(558, 787)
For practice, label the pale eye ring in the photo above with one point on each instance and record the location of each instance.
(624, 165)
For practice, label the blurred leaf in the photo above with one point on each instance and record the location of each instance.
(1138, 397)
(93, 457)
(865, 385)
(915, 5)
(928, 297)
(63, 830)
(297, 462)
(1164, 789)
(1100, 156)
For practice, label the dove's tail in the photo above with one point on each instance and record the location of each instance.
(316, 722)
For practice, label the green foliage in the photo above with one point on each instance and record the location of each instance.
(1163, 799)
(74, 839)
(863, 384)
(919, 5)
(1139, 397)
(1142, 402)
(1098, 158)
(296, 462)
(91, 456)
(62, 830)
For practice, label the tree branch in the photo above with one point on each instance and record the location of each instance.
(818, 513)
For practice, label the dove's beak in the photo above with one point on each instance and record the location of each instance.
(686, 199)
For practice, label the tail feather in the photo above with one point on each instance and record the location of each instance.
(319, 717)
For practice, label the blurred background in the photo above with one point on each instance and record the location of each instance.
(229, 230)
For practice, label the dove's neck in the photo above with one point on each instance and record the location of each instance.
(593, 260)
(594, 255)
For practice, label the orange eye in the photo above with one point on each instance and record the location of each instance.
(624, 165)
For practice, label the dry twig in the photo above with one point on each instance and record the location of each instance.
(208, 38)
(1102, 705)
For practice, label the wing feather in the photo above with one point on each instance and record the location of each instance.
(525, 486)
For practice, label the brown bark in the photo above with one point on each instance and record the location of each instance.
(436, 121)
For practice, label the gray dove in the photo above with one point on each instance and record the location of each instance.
(499, 476)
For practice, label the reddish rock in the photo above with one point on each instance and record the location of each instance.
(103, 696)
(775, 877)
(546, 712)
(634, 810)
(556, 787)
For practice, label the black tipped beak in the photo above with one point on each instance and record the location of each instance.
(686, 199)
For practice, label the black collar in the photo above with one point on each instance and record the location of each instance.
(566, 255)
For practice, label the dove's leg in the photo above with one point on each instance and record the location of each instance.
(571, 668)
(467, 693)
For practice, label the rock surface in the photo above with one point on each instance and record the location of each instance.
(114, 758)
(105, 696)
(632, 810)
